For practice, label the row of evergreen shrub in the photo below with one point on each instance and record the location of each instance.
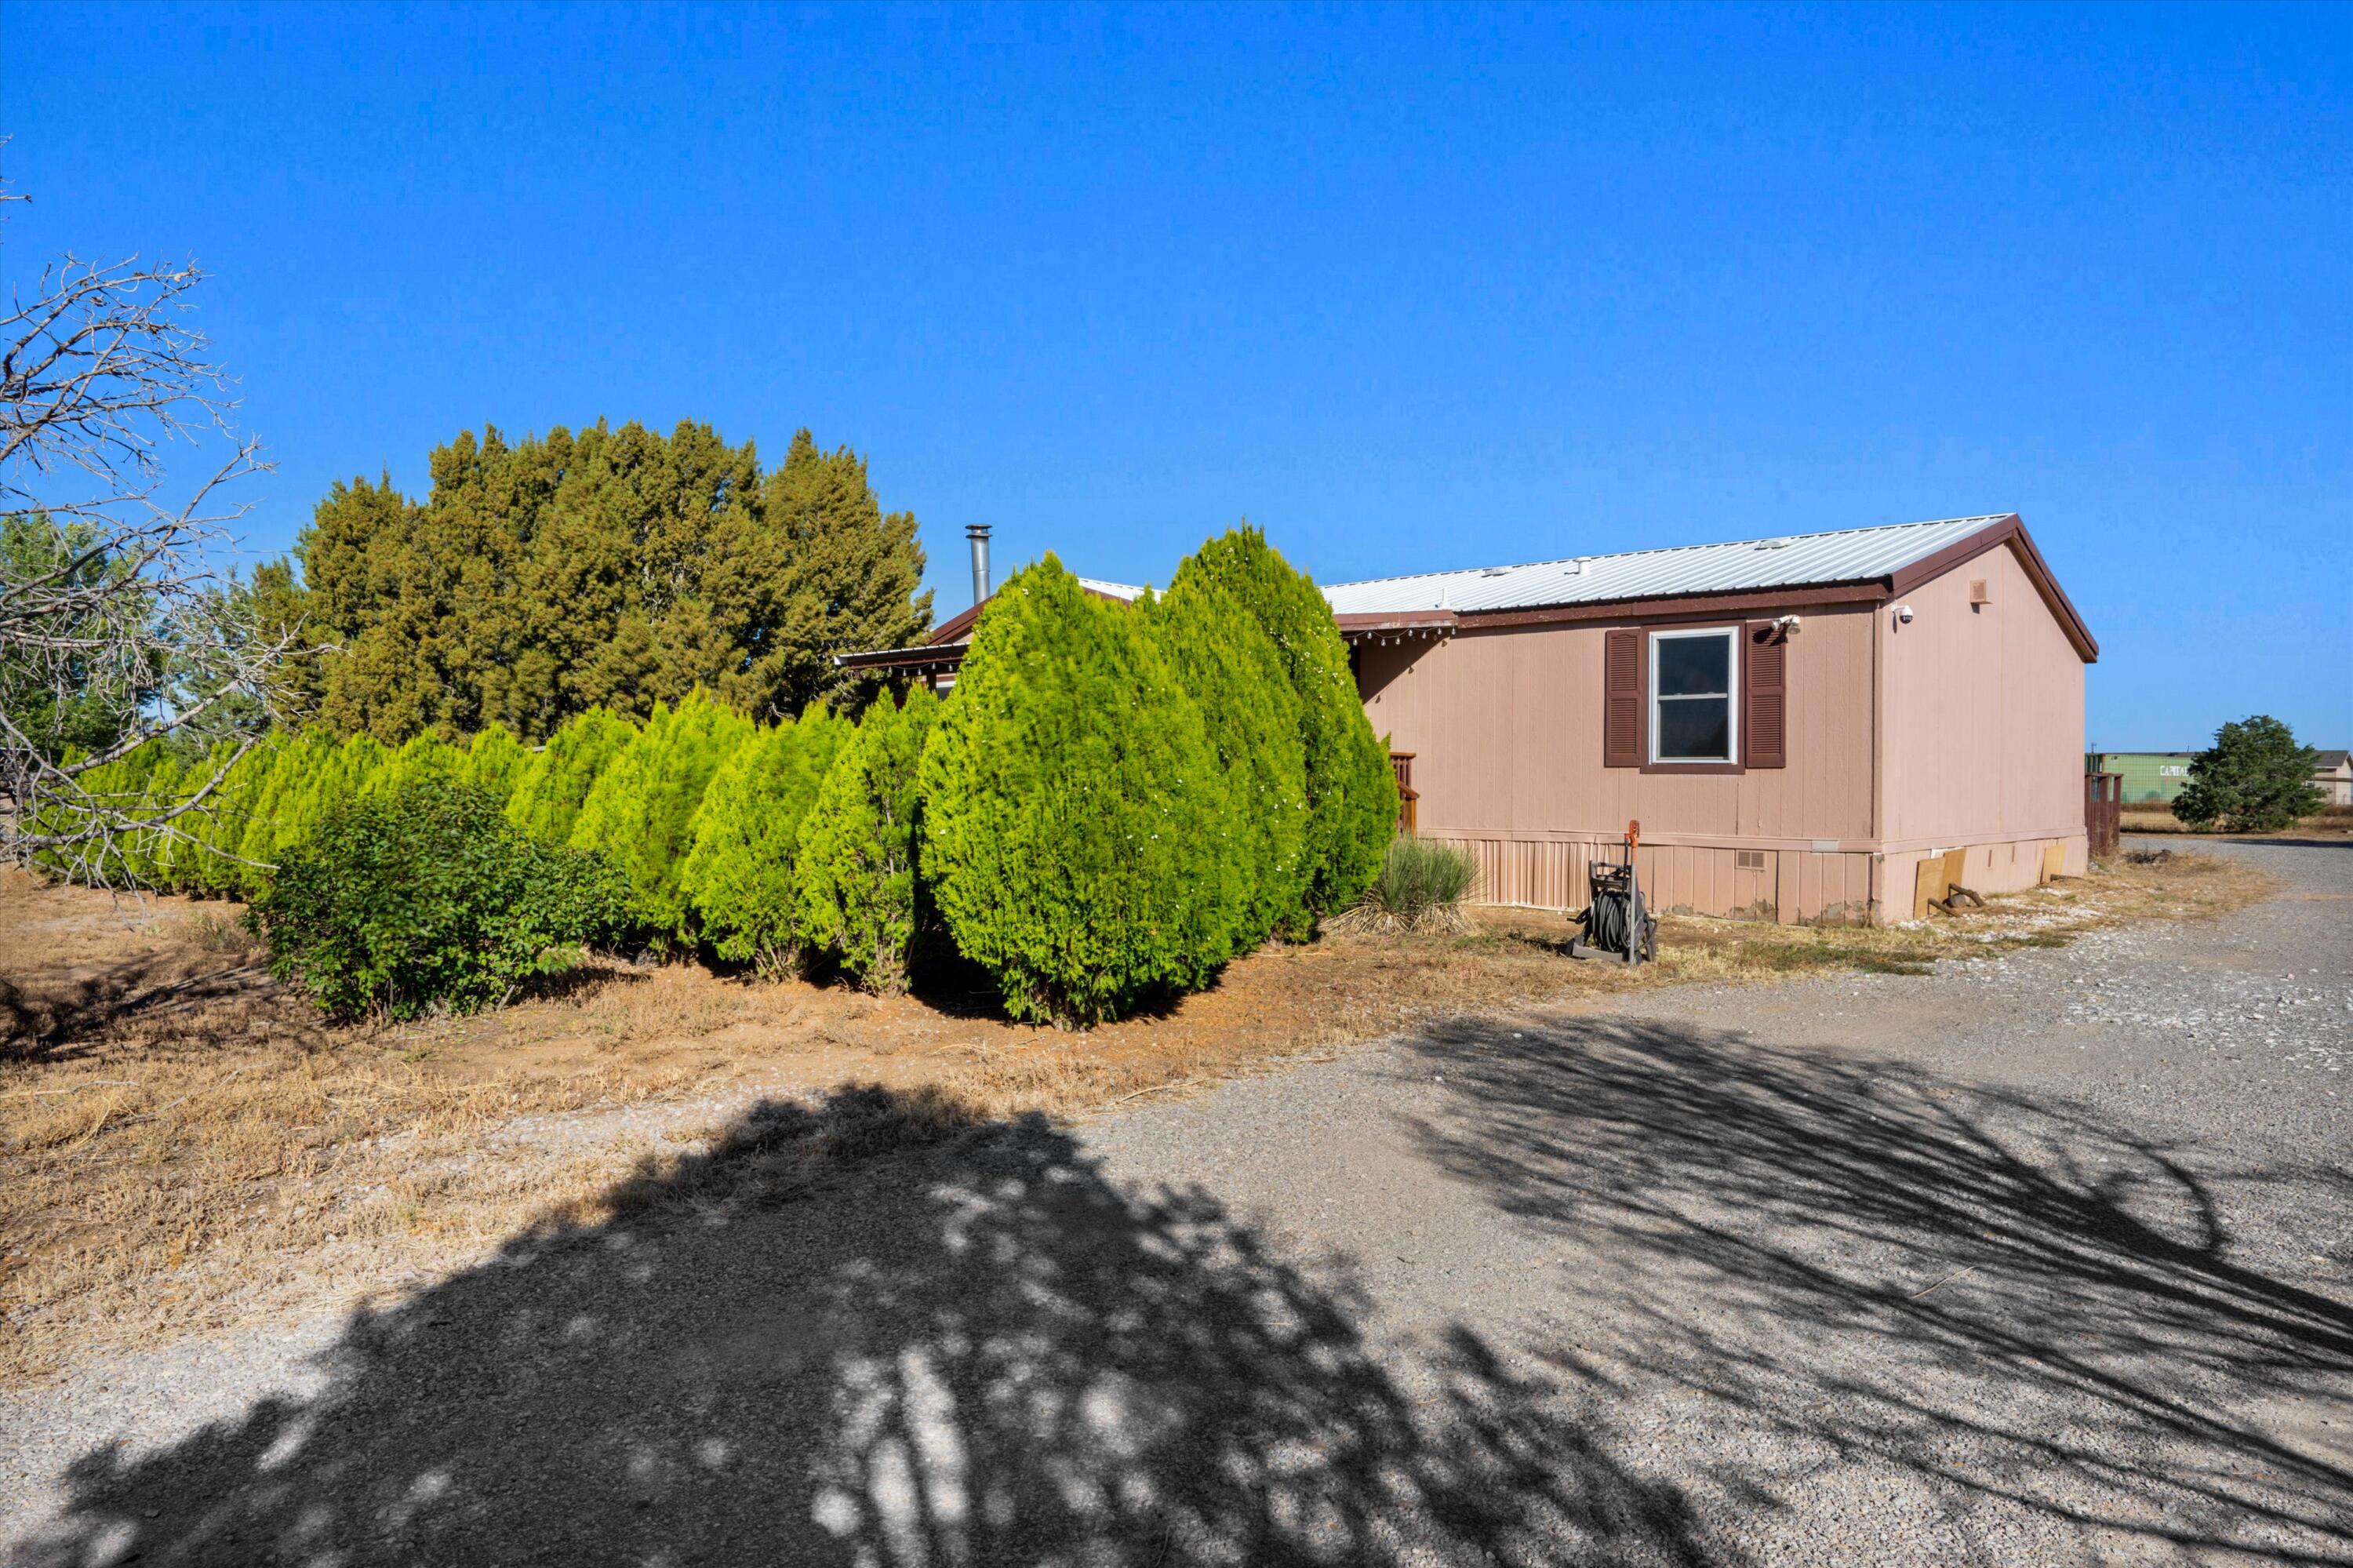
(1120, 798)
(1115, 801)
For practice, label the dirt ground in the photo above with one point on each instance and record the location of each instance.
(184, 1145)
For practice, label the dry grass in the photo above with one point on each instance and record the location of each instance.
(181, 1145)
(2142, 817)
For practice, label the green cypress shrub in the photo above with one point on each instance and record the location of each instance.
(1226, 661)
(856, 873)
(640, 812)
(495, 761)
(277, 824)
(1074, 809)
(424, 893)
(1351, 793)
(426, 756)
(123, 786)
(547, 798)
(209, 861)
(738, 877)
(179, 837)
(142, 851)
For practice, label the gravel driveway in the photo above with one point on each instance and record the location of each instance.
(2037, 1260)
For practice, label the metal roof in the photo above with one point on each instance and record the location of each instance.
(1111, 591)
(1787, 560)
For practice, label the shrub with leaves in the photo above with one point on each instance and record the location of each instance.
(1230, 666)
(640, 813)
(739, 878)
(2255, 779)
(1074, 809)
(1351, 793)
(425, 895)
(856, 876)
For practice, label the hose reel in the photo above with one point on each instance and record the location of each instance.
(1617, 923)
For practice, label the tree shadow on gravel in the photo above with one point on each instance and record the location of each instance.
(879, 1333)
(2010, 1301)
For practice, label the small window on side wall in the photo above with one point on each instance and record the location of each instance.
(1693, 676)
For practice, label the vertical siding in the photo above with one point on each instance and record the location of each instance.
(1506, 726)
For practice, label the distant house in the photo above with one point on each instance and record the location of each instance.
(2335, 776)
(2147, 777)
(1801, 724)
(1798, 723)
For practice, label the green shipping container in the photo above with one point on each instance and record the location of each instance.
(2149, 775)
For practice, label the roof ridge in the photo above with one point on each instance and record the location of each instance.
(1670, 549)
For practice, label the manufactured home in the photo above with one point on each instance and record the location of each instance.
(1799, 723)
(1810, 727)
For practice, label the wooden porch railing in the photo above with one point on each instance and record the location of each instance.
(1409, 798)
(2103, 811)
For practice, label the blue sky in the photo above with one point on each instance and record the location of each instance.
(1410, 288)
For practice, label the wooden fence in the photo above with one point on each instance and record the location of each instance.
(2104, 811)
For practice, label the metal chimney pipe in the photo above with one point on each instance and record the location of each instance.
(978, 535)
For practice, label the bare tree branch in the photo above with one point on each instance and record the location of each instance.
(113, 606)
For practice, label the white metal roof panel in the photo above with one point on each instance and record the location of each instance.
(1787, 560)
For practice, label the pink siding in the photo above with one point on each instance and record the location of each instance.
(1964, 728)
(1984, 716)
(1506, 726)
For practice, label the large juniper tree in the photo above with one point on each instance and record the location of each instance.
(2255, 779)
(608, 566)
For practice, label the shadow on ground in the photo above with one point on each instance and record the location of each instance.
(876, 1334)
(52, 1019)
(2009, 1306)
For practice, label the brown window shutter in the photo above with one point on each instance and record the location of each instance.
(1621, 699)
(1765, 698)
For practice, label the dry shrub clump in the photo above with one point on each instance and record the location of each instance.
(184, 1145)
(1420, 888)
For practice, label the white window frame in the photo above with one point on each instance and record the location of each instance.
(1731, 636)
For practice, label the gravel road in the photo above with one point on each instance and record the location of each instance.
(2044, 1259)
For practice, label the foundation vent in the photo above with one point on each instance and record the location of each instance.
(1748, 860)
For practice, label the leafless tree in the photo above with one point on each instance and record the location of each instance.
(113, 600)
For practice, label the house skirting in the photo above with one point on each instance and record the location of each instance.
(1760, 880)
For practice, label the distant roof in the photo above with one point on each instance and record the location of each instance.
(2334, 758)
(1785, 560)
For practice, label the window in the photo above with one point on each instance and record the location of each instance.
(1692, 677)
